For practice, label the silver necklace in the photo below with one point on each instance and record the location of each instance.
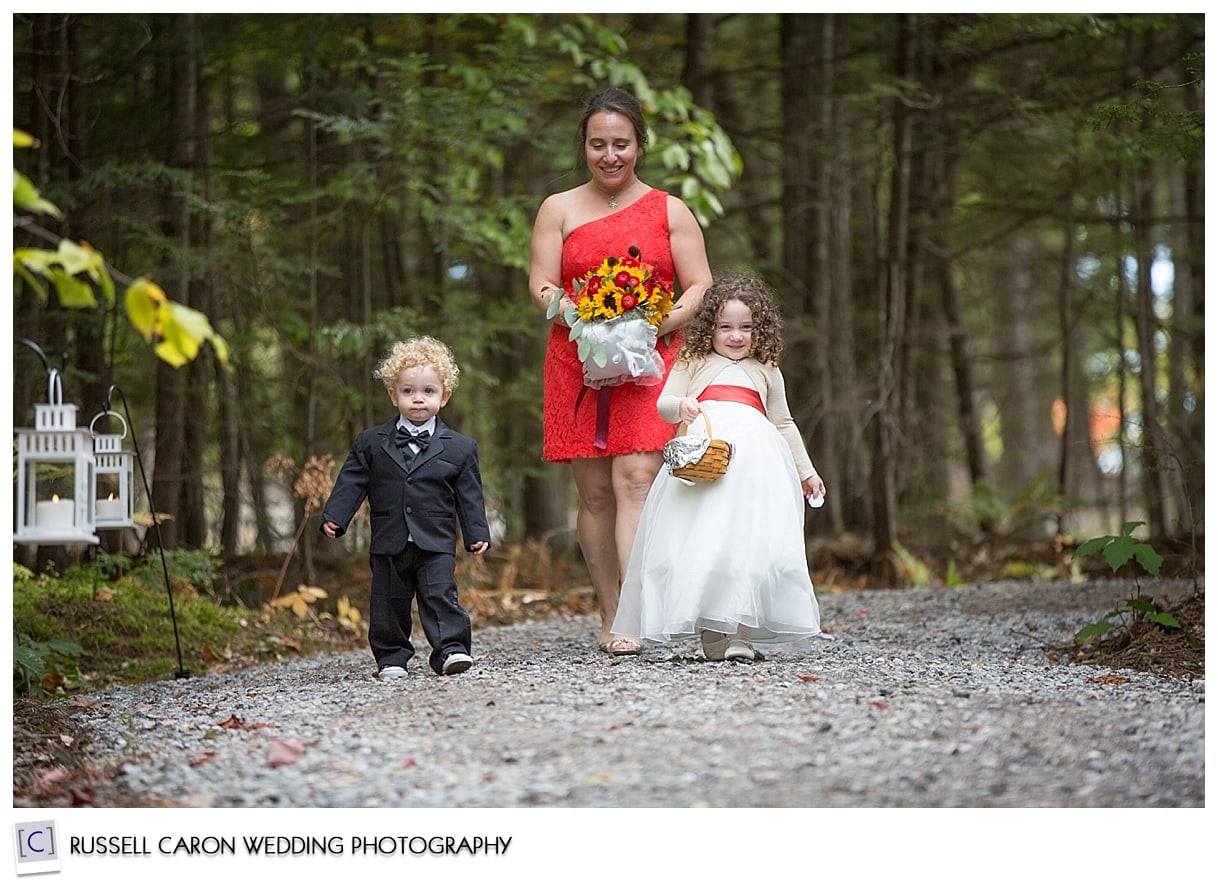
(613, 201)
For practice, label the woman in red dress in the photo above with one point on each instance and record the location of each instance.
(574, 231)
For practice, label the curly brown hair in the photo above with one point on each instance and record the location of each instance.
(753, 293)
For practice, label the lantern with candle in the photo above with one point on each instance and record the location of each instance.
(113, 508)
(56, 475)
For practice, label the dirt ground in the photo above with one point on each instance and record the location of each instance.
(47, 765)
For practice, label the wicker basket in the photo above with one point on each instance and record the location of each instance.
(713, 463)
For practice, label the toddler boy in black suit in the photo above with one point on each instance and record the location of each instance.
(419, 477)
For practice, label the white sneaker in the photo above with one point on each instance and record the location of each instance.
(738, 650)
(456, 663)
(392, 672)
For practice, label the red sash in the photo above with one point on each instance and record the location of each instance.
(738, 394)
(601, 439)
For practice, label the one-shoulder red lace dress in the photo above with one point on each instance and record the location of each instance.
(569, 432)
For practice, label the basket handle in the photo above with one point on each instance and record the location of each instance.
(706, 418)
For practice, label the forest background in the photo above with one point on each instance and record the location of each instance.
(986, 233)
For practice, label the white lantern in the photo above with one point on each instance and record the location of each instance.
(56, 481)
(114, 503)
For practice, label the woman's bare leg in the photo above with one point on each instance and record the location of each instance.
(633, 475)
(611, 496)
(595, 525)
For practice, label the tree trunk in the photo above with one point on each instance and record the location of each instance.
(172, 461)
(892, 314)
(699, 58)
(1156, 457)
(821, 431)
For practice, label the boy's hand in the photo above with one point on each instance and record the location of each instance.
(479, 547)
(330, 529)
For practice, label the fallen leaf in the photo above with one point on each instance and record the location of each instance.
(882, 705)
(862, 612)
(409, 763)
(51, 777)
(236, 722)
(1109, 679)
(808, 678)
(203, 756)
(283, 753)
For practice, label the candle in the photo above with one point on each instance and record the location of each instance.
(55, 512)
(110, 509)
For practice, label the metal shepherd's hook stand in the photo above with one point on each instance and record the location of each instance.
(181, 673)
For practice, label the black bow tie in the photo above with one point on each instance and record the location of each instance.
(405, 438)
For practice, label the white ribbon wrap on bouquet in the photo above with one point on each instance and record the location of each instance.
(620, 350)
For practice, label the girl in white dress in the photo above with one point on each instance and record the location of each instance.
(726, 561)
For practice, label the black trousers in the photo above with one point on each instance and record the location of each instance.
(427, 577)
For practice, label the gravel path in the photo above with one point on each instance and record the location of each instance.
(928, 697)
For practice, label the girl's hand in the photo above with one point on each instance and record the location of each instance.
(479, 547)
(813, 486)
(330, 529)
(688, 409)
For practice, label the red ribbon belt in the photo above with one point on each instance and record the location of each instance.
(603, 394)
(738, 394)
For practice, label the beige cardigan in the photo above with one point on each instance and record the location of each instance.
(688, 379)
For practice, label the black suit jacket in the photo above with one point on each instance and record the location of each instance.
(423, 500)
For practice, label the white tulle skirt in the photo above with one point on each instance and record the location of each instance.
(726, 554)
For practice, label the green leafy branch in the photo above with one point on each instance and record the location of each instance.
(75, 269)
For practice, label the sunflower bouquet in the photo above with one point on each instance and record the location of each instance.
(616, 308)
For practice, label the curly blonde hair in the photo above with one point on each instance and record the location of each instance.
(753, 293)
(418, 352)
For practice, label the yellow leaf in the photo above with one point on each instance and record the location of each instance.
(183, 330)
(79, 257)
(144, 301)
(27, 197)
(73, 293)
(300, 607)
